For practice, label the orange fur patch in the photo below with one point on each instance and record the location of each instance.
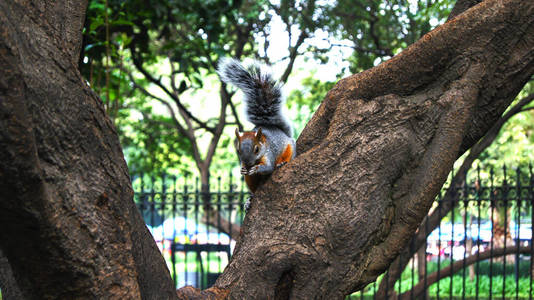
(285, 156)
(248, 135)
(252, 136)
(262, 161)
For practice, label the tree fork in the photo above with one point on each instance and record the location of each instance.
(376, 153)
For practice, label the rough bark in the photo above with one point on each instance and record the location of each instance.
(8, 285)
(68, 225)
(448, 201)
(417, 291)
(376, 153)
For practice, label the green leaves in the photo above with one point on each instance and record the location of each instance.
(182, 40)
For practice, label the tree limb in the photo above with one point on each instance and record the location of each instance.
(418, 290)
(293, 50)
(139, 66)
(449, 200)
(170, 109)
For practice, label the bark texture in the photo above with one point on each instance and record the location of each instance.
(68, 225)
(376, 153)
(417, 291)
(8, 285)
(449, 200)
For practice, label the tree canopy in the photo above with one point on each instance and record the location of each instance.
(168, 53)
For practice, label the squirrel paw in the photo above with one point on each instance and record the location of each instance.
(244, 171)
(253, 170)
(278, 166)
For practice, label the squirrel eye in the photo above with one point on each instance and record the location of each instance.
(256, 149)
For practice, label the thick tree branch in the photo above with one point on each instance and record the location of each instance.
(448, 201)
(418, 290)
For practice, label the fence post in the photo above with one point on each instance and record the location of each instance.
(492, 205)
(230, 202)
(479, 203)
(173, 256)
(505, 200)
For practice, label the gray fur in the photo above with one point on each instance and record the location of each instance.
(263, 94)
(276, 141)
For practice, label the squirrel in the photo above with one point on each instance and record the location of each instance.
(270, 144)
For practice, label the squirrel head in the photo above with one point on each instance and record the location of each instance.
(250, 146)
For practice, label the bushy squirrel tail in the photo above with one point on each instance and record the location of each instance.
(263, 94)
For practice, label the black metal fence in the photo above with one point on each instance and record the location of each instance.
(480, 249)
(192, 229)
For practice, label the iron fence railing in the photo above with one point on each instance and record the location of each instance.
(481, 248)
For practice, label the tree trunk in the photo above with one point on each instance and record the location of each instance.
(68, 225)
(376, 153)
(8, 285)
(502, 236)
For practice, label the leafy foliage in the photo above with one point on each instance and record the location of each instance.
(303, 102)
(134, 50)
(380, 29)
(515, 143)
(128, 46)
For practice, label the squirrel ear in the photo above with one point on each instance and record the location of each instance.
(258, 134)
(237, 133)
